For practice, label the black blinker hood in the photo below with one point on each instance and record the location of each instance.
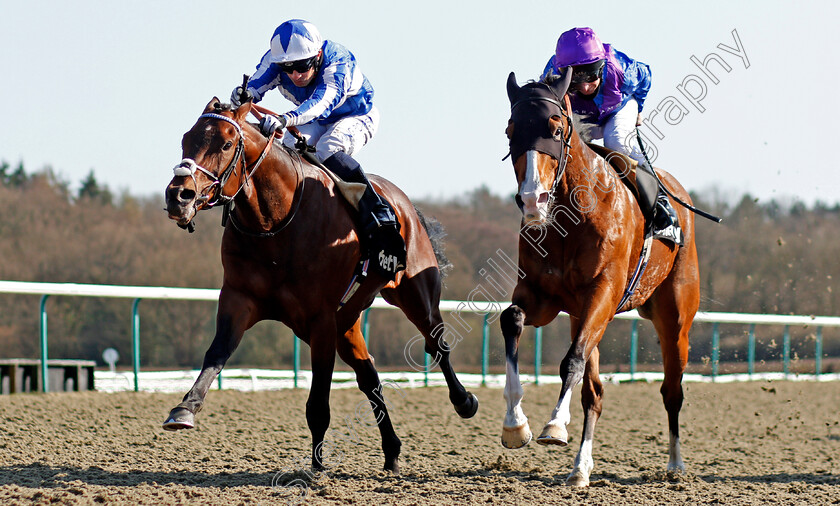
(531, 107)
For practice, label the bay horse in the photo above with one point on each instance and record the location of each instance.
(582, 240)
(289, 251)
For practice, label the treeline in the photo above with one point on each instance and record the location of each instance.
(766, 257)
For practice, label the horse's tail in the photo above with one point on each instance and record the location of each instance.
(436, 235)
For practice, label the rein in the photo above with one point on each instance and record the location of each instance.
(567, 144)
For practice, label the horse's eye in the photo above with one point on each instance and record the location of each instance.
(227, 145)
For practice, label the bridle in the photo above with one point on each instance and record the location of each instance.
(188, 168)
(565, 138)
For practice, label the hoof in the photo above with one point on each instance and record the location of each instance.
(577, 480)
(392, 466)
(553, 435)
(516, 437)
(179, 418)
(469, 407)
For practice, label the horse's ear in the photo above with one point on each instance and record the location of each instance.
(561, 86)
(512, 87)
(241, 112)
(211, 105)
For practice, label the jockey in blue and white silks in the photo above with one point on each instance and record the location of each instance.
(334, 112)
(607, 94)
(324, 81)
(339, 89)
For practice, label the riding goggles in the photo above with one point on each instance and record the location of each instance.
(581, 77)
(588, 73)
(299, 66)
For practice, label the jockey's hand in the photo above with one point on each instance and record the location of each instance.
(236, 95)
(269, 123)
(639, 119)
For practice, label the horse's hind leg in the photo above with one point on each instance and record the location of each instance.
(418, 297)
(352, 350)
(672, 312)
(234, 316)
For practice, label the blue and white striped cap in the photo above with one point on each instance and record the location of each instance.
(295, 40)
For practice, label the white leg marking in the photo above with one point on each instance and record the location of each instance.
(579, 476)
(561, 415)
(675, 461)
(514, 417)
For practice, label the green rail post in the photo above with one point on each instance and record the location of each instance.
(296, 359)
(786, 350)
(634, 346)
(135, 343)
(426, 368)
(537, 354)
(45, 377)
(485, 349)
(715, 349)
(751, 351)
(818, 353)
(366, 326)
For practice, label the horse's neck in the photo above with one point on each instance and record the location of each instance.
(269, 195)
(583, 170)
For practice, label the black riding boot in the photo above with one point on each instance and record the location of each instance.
(666, 223)
(379, 224)
(657, 207)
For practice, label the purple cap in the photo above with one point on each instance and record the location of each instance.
(578, 46)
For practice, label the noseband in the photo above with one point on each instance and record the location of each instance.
(188, 167)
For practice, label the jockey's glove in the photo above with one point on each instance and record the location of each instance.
(236, 95)
(269, 123)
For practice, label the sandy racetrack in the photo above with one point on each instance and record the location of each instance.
(752, 443)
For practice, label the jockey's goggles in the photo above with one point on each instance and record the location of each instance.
(584, 78)
(299, 66)
(588, 73)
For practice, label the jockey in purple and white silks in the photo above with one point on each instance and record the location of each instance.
(334, 112)
(607, 95)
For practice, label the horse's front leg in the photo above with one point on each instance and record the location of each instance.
(232, 319)
(592, 392)
(586, 334)
(322, 343)
(515, 430)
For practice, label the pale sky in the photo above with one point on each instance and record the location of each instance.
(112, 86)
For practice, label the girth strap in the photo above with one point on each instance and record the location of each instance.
(639, 271)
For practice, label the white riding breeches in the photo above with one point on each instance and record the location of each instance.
(619, 132)
(348, 134)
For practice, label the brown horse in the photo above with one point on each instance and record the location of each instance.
(289, 252)
(581, 242)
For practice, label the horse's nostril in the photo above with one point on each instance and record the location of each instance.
(543, 198)
(187, 195)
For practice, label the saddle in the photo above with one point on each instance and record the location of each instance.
(390, 258)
